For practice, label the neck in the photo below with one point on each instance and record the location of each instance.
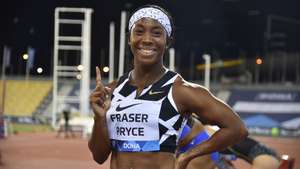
(144, 76)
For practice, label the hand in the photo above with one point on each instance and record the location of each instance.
(100, 97)
(181, 162)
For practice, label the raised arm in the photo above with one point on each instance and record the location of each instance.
(99, 143)
(192, 98)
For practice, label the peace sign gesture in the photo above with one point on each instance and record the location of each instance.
(100, 97)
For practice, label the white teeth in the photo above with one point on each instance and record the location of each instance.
(147, 51)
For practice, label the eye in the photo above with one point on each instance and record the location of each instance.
(157, 32)
(138, 31)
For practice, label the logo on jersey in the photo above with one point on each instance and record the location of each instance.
(119, 108)
(155, 92)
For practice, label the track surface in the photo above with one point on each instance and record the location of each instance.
(45, 151)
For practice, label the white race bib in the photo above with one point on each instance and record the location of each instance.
(133, 125)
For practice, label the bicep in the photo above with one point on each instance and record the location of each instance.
(214, 111)
(209, 109)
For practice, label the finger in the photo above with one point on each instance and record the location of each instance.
(108, 92)
(98, 76)
(99, 88)
(97, 100)
(99, 94)
(96, 94)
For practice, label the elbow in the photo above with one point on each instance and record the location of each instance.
(97, 156)
(243, 132)
(99, 159)
(238, 133)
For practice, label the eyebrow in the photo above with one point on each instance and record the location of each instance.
(153, 27)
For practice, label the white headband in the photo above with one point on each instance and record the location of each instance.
(152, 13)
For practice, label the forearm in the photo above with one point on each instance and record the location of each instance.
(99, 143)
(220, 140)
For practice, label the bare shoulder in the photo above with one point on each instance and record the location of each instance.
(182, 85)
(188, 95)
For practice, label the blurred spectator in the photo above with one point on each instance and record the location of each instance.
(66, 128)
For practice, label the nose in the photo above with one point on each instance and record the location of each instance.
(147, 38)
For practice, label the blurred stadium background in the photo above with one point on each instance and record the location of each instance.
(253, 46)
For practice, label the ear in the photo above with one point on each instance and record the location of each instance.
(128, 39)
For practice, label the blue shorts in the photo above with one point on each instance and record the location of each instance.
(201, 137)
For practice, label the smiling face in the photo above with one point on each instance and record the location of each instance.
(148, 40)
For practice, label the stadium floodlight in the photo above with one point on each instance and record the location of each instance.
(25, 56)
(78, 76)
(80, 67)
(258, 61)
(39, 70)
(105, 69)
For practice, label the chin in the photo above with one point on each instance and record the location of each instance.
(146, 61)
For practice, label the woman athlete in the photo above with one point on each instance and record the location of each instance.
(139, 119)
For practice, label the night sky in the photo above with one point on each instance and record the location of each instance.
(226, 28)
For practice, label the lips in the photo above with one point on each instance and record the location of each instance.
(147, 52)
